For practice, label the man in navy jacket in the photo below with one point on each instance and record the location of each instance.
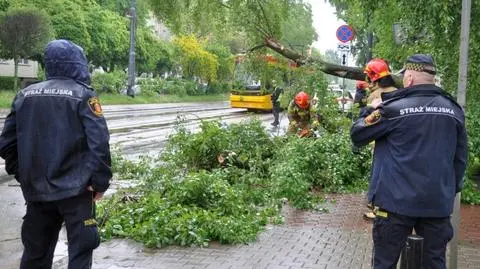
(55, 142)
(419, 163)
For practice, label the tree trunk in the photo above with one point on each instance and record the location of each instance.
(15, 73)
(348, 72)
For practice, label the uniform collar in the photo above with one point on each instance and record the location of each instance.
(417, 90)
(422, 89)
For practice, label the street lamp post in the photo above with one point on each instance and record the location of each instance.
(131, 58)
(461, 99)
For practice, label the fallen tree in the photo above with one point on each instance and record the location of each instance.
(348, 72)
(284, 26)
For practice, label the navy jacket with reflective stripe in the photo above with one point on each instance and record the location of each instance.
(53, 140)
(420, 151)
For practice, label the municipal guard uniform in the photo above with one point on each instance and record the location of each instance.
(419, 162)
(56, 143)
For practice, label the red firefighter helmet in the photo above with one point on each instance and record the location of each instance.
(301, 99)
(376, 69)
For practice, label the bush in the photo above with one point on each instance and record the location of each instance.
(192, 199)
(470, 192)
(326, 164)
(176, 87)
(191, 88)
(173, 86)
(218, 87)
(248, 140)
(473, 128)
(471, 187)
(151, 86)
(113, 82)
(6, 83)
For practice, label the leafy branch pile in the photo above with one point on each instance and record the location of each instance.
(326, 164)
(193, 197)
(190, 199)
(225, 183)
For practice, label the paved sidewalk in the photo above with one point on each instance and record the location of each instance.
(338, 239)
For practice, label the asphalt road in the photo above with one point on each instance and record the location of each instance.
(144, 129)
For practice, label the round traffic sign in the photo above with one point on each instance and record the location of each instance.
(345, 33)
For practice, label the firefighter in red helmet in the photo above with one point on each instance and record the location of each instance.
(379, 77)
(361, 93)
(302, 116)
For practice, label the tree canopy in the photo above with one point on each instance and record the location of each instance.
(23, 33)
(122, 7)
(101, 27)
(196, 61)
(254, 19)
(4, 4)
(426, 27)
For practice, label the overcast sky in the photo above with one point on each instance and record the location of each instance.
(326, 23)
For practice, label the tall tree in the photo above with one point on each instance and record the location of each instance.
(122, 7)
(68, 19)
(4, 4)
(226, 61)
(99, 26)
(195, 61)
(258, 19)
(109, 38)
(23, 33)
(262, 22)
(421, 32)
(148, 51)
(70, 22)
(297, 30)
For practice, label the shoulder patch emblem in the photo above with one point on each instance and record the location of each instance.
(90, 222)
(373, 118)
(95, 107)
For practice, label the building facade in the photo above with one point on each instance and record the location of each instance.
(26, 68)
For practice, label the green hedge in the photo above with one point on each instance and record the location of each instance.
(180, 87)
(113, 82)
(6, 83)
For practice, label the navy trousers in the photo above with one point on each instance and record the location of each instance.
(42, 224)
(390, 232)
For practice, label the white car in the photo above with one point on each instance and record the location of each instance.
(344, 99)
